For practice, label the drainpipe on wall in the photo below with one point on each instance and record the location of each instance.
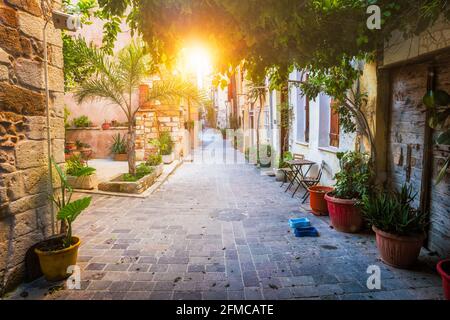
(47, 112)
(60, 21)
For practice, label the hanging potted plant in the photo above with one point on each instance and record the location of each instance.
(58, 253)
(399, 228)
(443, 267)
(119, 148)
(352, 183)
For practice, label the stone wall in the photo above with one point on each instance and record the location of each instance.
(100, 140)
(24, 212)
(153, 118)
(167, 119)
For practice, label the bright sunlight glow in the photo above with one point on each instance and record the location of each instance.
(198, 61)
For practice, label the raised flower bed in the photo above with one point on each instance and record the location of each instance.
(117, 183)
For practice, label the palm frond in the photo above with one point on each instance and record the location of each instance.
(134, 64)
(100, 88)
(171, 90)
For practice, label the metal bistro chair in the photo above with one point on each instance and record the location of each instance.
(288, 172)
(308, 182)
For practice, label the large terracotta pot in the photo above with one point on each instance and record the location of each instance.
(443, 267)
(398, 251)
(345, 216)
(54, 264)
(317, 199)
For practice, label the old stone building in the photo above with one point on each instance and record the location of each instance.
(24, 207)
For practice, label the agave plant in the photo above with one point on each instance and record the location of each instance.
(68, 210)
(392, 211)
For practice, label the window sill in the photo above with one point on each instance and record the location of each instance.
(329, 149)
(305, 144)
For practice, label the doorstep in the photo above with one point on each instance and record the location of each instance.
(167, 171)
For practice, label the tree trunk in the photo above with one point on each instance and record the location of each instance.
(131, 149)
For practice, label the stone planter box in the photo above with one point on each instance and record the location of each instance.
(88, 182)
(117, 185)
(169, 158)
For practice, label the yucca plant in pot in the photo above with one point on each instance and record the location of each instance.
(119, 148)
(399, 227)
(352, 182)
(58, 253)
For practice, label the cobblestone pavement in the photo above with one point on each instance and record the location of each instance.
(216, 231)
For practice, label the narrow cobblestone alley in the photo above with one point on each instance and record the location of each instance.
(220, 231)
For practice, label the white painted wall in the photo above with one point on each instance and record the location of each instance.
(220, 96)
(317, 149)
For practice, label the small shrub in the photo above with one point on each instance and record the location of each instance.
(164, 143)
(82, 122)
(75, 166)
(352, 181)
(287, 156)
(80, 145)
(141, 171)
(154, 159)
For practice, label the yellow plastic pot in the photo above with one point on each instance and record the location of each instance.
(54, 264)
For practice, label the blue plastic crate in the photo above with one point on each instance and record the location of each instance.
(299, 223)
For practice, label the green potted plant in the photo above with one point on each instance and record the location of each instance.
(119, 148)
(165, 146)
(265, 155)
(279, 174)
(399, 228)
(85, 149)
(58, 253)
(352, 182)
(81, 122)
(79, 174)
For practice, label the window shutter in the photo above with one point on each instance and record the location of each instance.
(334, 125)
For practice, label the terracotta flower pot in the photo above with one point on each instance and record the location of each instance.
(443, 267)
(106, 126)
(120, 157)
(398, 251)
(345, 216)
(317, 199)
(54, 264)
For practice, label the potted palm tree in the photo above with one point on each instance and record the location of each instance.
(399, 228)
(58, 253)
(117, 79)
(352, 182)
